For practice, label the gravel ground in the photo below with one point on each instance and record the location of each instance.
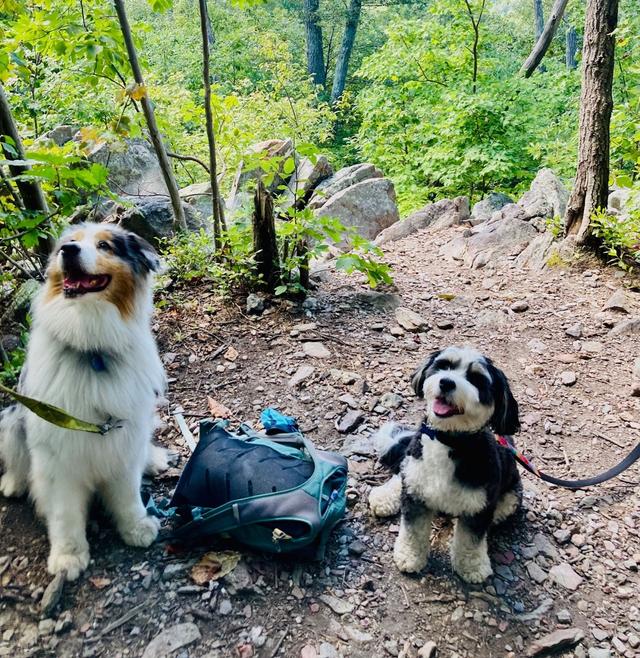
(566, 566)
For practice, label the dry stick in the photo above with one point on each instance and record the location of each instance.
(127, 616)
(152, 126)
(190, 158)
(218, 214)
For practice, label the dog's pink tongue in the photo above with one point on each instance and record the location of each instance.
(443, 408)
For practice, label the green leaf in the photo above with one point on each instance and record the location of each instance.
(54, 415)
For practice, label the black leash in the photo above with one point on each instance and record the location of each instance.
(620, 467)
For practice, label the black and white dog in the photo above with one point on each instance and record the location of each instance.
(452, 464)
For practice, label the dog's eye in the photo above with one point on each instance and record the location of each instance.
(104, 245)
(443, 364)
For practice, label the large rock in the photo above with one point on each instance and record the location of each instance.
(199, 197)
(341, 180)
(483, 210)
(152, 218)
(435, 215)
(368, 206)
(133, 167)
(305, 179)
(546, 198)
(517, 232)
(272, 148)
(59, 135)
(503, 237)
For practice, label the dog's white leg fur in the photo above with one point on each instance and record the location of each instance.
(385, 499)
(506, 507)
(121, 497)
(14, 454)
(412, 547)
(157, 461)
(64, 504)
(469, 554)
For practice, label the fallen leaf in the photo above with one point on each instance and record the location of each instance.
(217, 409)
(100, 583)
(214, 565)
(231, 354)
(447, 296)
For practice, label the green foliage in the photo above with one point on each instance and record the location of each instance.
(620, 237)
(555, 226)
(10, 369)
(423, 124)
(192, 257)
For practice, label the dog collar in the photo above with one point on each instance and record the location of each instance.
(438, 435)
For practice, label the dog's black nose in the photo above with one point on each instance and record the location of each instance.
(70, 249)
(447, 385)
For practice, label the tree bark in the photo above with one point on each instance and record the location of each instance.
(207, 40)
(591, 188)
(31, 193)
(180, 221)
(543, 43)
(538, 13)
(571, 46)
(265, 244)
(315, 54)
(346, 47)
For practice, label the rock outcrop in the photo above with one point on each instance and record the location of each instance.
(133, 167)
(152, 218)
(368, 206)
(437, 215)
(517, 232)
(483, 210)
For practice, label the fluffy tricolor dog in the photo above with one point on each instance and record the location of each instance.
(452, 464)
(91, 352)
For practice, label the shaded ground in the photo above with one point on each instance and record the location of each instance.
(270, 607)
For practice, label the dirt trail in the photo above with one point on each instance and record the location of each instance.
(572, 556)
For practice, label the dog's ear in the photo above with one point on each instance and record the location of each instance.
(417, 380)
(505, 419)
(144, 256)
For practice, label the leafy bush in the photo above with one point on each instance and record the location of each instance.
(620, 237)
(191, 257)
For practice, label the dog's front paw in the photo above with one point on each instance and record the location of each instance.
(158, 460)
(385, 499)
(11, 486)
(143, 533)
(407, 559)
(74, 563)
(473, 569)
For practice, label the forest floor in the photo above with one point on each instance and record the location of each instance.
(569, 560)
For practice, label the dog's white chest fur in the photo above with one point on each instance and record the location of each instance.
(432, 480)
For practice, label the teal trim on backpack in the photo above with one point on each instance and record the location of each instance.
(309, 510)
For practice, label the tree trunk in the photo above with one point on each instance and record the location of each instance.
(265, 244)
(207, 40)
(180, 221)
(348, 39)
(538, 17)
(475, 23)
(543, 43)
(591, 188)
(315, 55)
(571, 40)
(32, 196)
